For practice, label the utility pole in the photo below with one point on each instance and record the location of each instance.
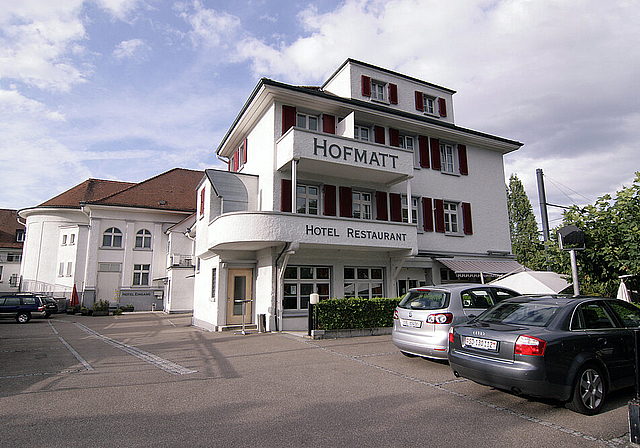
(542, 198)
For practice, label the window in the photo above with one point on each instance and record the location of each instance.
(109, 267)
(19, 236)
(305, 121)
(361, 205)
(112, 237)
(629, 314)
(414, 210)
(307, 199)
(143, 239)
(69, 269)
(447, 275)
(64, 240)
(429, 105)
(446, 158)
(214, 274)
(362, 133)
(377, 90)
(72, 239)
(13, 257)
(13, 280)
(61, 269)
(300, 282)
(451, 217)
(477, 298)
(140, 274)
(0, 273)
(404, 141)
(363, 282)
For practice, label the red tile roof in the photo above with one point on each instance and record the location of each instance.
(87, 191)
(8, 227)
(172, 190)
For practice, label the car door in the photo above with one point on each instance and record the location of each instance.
(629, 318)
(475, 301)
(608, 339)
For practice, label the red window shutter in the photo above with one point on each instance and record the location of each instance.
(423, 145)
(435, 154)
(462, 159)
(236, 160)
(378, 132)
(419, 101)
(345, 202)
(285, 197)
(442, 107)
(427, 214)
(329, 124)
(439, 214)
(229, 165)
(288, 117)
(395, 204)
(394, 137)
(381, 206)
(393, 93)
(366, 86)
(202, 201)
(244, 152)
(466, 218)
(329, 200)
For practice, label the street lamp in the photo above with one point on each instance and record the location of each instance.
(571, 239)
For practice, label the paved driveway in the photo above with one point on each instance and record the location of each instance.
(152, 380)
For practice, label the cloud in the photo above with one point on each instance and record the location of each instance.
(209, 28)
(131, 49)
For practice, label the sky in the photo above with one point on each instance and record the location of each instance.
(128, 89)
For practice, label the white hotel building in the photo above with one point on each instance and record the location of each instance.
(364, 186)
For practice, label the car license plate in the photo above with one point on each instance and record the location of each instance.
(411, 323)
(482, 344)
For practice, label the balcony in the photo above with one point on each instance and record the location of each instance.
(181, 261)
(331, 155)
(258, 230)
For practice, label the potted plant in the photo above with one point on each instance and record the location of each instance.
(101, 308)
(127, 308)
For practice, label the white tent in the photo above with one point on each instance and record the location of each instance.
(623, 292)
(534, 282)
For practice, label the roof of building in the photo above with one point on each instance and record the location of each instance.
(8, 226)
(87, 191)
(172, 190)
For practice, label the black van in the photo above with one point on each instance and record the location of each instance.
(21, 306)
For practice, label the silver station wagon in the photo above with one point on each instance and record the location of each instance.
(423, 317)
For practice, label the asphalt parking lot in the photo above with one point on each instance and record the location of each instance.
(150, 379)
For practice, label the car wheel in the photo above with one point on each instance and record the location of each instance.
(23, 318)
(589, 391)
(409, 355)
(47, 314)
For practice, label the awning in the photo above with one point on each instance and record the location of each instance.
(474, 268)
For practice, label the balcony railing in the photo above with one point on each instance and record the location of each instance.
(182, 261)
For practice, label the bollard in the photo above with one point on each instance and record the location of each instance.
(634, 405)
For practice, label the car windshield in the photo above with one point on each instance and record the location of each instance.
(425, 300)
(527, 313)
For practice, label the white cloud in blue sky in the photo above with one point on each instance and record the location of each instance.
(126, 89)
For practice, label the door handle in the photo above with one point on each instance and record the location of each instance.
(602, 341)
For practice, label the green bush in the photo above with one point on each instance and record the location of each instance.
(101, 305)
(355, 312)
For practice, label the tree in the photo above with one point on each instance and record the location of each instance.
(612, 239)
(525, 236)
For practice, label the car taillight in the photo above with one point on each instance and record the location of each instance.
(41, 308)
(395, 314)
(528, 345)
(440, 318)
(451, 335)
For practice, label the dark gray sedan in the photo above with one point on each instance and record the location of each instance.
(575, 350)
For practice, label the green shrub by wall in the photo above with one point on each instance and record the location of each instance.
(355, 312)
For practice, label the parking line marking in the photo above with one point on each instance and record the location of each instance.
(25, 375)
(439, 386)
(76, 354)
(163, 364)
(52, 327)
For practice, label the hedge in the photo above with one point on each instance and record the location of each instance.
(355, 313)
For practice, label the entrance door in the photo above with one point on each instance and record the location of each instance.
(108, 284)
(239, 287)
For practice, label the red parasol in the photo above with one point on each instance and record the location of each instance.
(75, 301)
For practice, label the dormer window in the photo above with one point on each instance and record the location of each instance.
(377, 90)
(20, 236)
(429, 105)
(305, 121)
